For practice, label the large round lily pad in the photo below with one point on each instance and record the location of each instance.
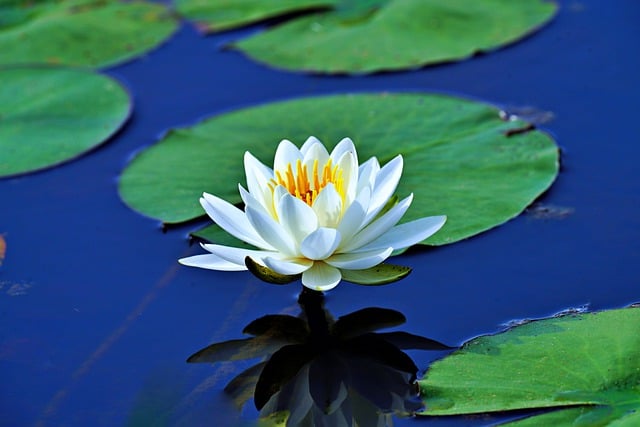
(361, 36)
(51, 115)
(461, 159)
(94, 33)
(571, 363)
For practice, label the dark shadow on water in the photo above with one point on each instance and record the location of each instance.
(318, 371)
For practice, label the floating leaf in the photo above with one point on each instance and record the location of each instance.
(458, 160)
(356, 36)
(94, 33)
(575, 360)
(51, 115)
(219, 15)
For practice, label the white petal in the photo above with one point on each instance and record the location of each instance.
(367, 173)
(237, 255)
(272, 232)
(315, 152)
(348, 163)
(296, 217)
(232, 220)
(249, 200)
(407, 234)
(258, 178)
(328, 207)
(320, 244)
(307, 144)
(279, 192)
(360, 260)
(211, 262)
(378, 227)
(386, 183)
(353, 216)
(286, 154)
(321, 277)
(344, 146)
(288, 266)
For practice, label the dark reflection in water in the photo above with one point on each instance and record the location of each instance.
(317, 371)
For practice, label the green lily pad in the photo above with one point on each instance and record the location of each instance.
(459, 158)
(587, 366)
(211, 16)
(52, 115)
(95, 33)
(362, 36)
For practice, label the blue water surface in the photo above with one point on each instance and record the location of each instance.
(98, 318)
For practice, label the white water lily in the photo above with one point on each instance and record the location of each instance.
(314, 214)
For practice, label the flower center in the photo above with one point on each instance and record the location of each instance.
(307, 187)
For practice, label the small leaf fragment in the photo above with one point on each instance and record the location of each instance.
(381, 274)
(3, 248)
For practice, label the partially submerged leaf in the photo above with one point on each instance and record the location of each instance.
(457, 160)
(95, 33)
(575, 360)
(52, 115)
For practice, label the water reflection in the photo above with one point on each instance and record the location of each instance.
(317, 371)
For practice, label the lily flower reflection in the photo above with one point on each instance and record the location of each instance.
(318, 371)
(315, 214)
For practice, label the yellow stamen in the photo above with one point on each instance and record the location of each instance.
(305, 187)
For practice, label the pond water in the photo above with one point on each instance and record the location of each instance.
(98, 318)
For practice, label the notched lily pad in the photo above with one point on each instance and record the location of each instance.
(95, 33)
(52, 115)
(457, 160)
(362, 36)
(587, 366)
